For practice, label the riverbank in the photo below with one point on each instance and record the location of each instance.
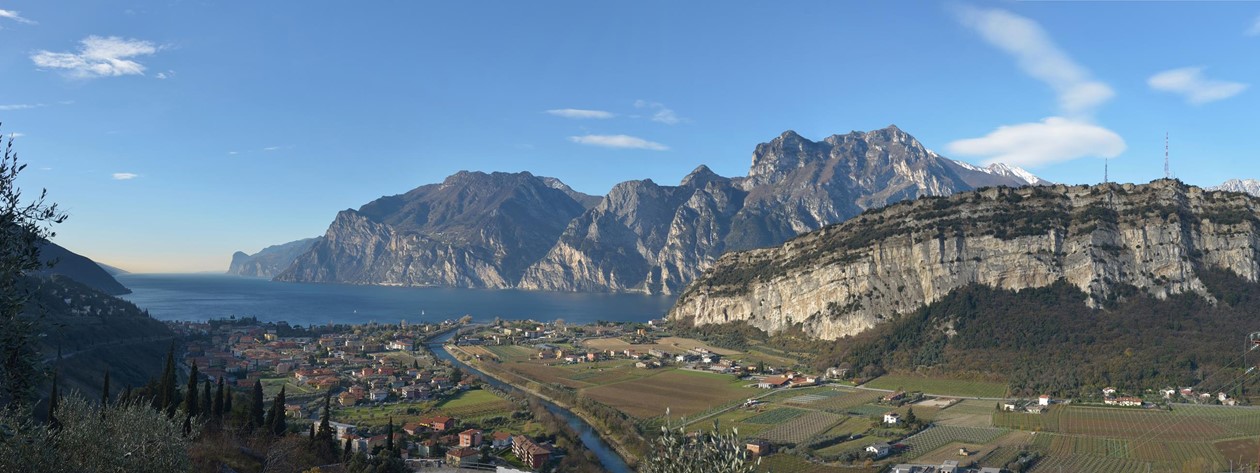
(610, 457)
(630, 457)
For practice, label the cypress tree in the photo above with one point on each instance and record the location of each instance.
(125, 399)
(53, 397)
(275, 418)
(187, 425)
(346, 451)
(389, 435)
(191, 406)
(206, 401)
(311, 435)
(256, 410)
(105, 390)
(216, 410)
(227, 403)
(325, 426)
(168, 394)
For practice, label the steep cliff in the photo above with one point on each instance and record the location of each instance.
(472, 230)
(78, 268)
(271, 260)
(847, 278)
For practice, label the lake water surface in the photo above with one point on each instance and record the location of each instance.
(204, 296)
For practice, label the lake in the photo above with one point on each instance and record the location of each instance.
(200, 297)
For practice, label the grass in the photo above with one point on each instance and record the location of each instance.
(776, 416)
(475, 404)
(941, 386)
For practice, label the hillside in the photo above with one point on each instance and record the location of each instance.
(79, 268)
(1106, 241)
(504, 230)
(92, 331)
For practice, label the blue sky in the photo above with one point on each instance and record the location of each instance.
(178, 132)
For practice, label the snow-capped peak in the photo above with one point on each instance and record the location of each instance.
(1250, 186)
(1003, 170)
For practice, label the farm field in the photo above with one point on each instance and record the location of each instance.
(938, 436)
(475, 404)
(947, 387)
(512, 352)
(685, 392)
(970, 413)
(1183, 423)
(669, 344)
(802, 427)
(271, 386)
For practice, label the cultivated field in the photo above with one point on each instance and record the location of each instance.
(802, 427)
(685, 392)
(475, 404)
(970, 413)
(938, 436)
(947, 387)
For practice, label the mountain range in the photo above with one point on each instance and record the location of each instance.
(517, 230)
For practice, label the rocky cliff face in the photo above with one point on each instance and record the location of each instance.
(1105, 240)
(271, 260)
(79, 268)
(472, 230)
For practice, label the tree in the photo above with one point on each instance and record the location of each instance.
(22, 227)
(347, 451)
(191, 406)
(275, 418)
(207, 403)
(325, 421)
(910, 417)
(389, 435)
(105, 390)
(227, 403)
(168, 394)
(53, 423)
(676, 452)
(216, 409)
(256, 409)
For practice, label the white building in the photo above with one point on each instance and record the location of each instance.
(892, 418)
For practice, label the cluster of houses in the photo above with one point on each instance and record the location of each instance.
(434, 438)
(1041, 405)
(790, 379)
(947, 466)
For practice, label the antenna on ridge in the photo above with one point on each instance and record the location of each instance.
(1106, 170)
(1167, 173)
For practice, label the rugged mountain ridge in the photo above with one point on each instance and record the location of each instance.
(1249, 186)
(537, 233)
(472, 230)
(1105, 240)
(270, 261)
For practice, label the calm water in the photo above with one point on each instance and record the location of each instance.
(205, 296)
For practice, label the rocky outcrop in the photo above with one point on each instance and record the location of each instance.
(1105, 240)
(472, 230)
(271, 260)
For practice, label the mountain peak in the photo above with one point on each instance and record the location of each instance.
(701, 176)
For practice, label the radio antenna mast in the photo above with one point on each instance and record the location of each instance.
(1167, 173)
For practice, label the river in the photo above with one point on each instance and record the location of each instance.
(608, 457)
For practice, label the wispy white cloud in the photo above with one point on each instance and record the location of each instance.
(1255, 28)
(233, 153)
(1053, 140)
(1197, 89)
(99, 57)
(19, 106)
(16, 134)
(660, 113)
(581, 114)
(1069, 135)
(13, 15)
(125, 176)
(272, 148)
(1039, 57)
(618, 141)
(165, 75)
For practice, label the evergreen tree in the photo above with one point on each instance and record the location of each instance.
(167, 398)
(346, 451)
(256, 410)
(910, 417)
(389, 435)
(105, 391)
(53, 398)
(311, 436)
(126, 396)
(216, 409)
(227, 403)
(275, 418)
(206, 401)
(191, 406)
(187, 425)
(325, 421)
